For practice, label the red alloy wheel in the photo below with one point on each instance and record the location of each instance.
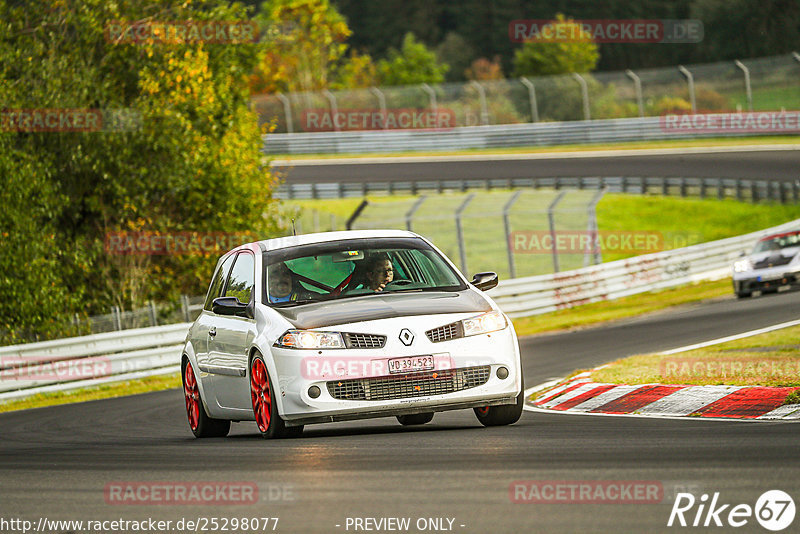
(192, 397)
(260, 394)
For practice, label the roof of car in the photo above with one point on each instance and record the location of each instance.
(324, 237)
(779, 235)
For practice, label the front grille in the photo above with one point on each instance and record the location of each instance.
(364, 341)
(772, 262)
(446, 332)
(409, 385)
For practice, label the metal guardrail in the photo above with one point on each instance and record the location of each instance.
(740, 189)
(497, 136)
(73, 363)
(541, 294)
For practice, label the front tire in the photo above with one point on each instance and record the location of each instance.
(415, 419)
(201, 425)
(262, 395)
(743, 294)
(506, 414)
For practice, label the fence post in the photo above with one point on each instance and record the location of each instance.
(551, 221)
(591, 211)
(153, 318)
(512, 271)
(413, 210)
(532, 97)
(287, 112)
(585, 92)
(117, 317)
(349, 224)
(432, 95)
(462, 251)
(637, 84)
(747, 89)
(690, 82)
(334, 108)
(484, 108)
(381, 103)
(185, 309)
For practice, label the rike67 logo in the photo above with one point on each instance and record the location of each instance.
(774, 510)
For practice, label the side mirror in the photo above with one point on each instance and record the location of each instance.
(230, 306)
(742, 254)
(485, 281)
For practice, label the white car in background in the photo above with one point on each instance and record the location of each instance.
(774, 263)
(347, 325)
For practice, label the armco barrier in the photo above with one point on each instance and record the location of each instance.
(541, 294)
(77, 362)
(498, 136)
(40, 367)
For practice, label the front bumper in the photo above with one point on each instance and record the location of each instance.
(449, 388)
(762, 279)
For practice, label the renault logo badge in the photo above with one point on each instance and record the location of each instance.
(406, 337)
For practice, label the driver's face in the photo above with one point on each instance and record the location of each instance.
(280, 281)
(382, 273)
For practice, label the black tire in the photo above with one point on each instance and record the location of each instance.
(268, 420)
(415, 419)
(744, 294)
(201, 425)
(506, 414)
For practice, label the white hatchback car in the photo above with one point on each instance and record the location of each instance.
(347, 325)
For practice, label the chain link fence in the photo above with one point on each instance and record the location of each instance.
(762, 84)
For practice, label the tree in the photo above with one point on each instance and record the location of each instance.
(308, 42)
(188, 161)
(456, 52)
(545, 55)
(412, 64)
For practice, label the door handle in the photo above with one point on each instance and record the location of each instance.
(212, 331)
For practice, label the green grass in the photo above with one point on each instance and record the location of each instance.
(770, 98)
(106, 391)
(766, 360)
(679, 222)
(670, 143)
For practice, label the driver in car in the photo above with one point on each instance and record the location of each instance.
(281, 285)
(379, 272)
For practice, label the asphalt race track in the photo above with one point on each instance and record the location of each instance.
(57, 461)
(756, 164)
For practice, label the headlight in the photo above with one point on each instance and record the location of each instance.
(741, 266)
(482, 324)
(309, 339)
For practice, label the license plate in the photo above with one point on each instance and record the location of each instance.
(410, 364)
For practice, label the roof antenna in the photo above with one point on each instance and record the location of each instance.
(294, 232)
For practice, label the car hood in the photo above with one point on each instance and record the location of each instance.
(373, 307)
(788, 252)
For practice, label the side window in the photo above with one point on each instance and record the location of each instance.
(216, 282)
(242, 279)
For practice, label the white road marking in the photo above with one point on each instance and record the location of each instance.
(732, 338)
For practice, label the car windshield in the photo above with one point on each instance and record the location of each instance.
(357, 267)
(778, 243)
